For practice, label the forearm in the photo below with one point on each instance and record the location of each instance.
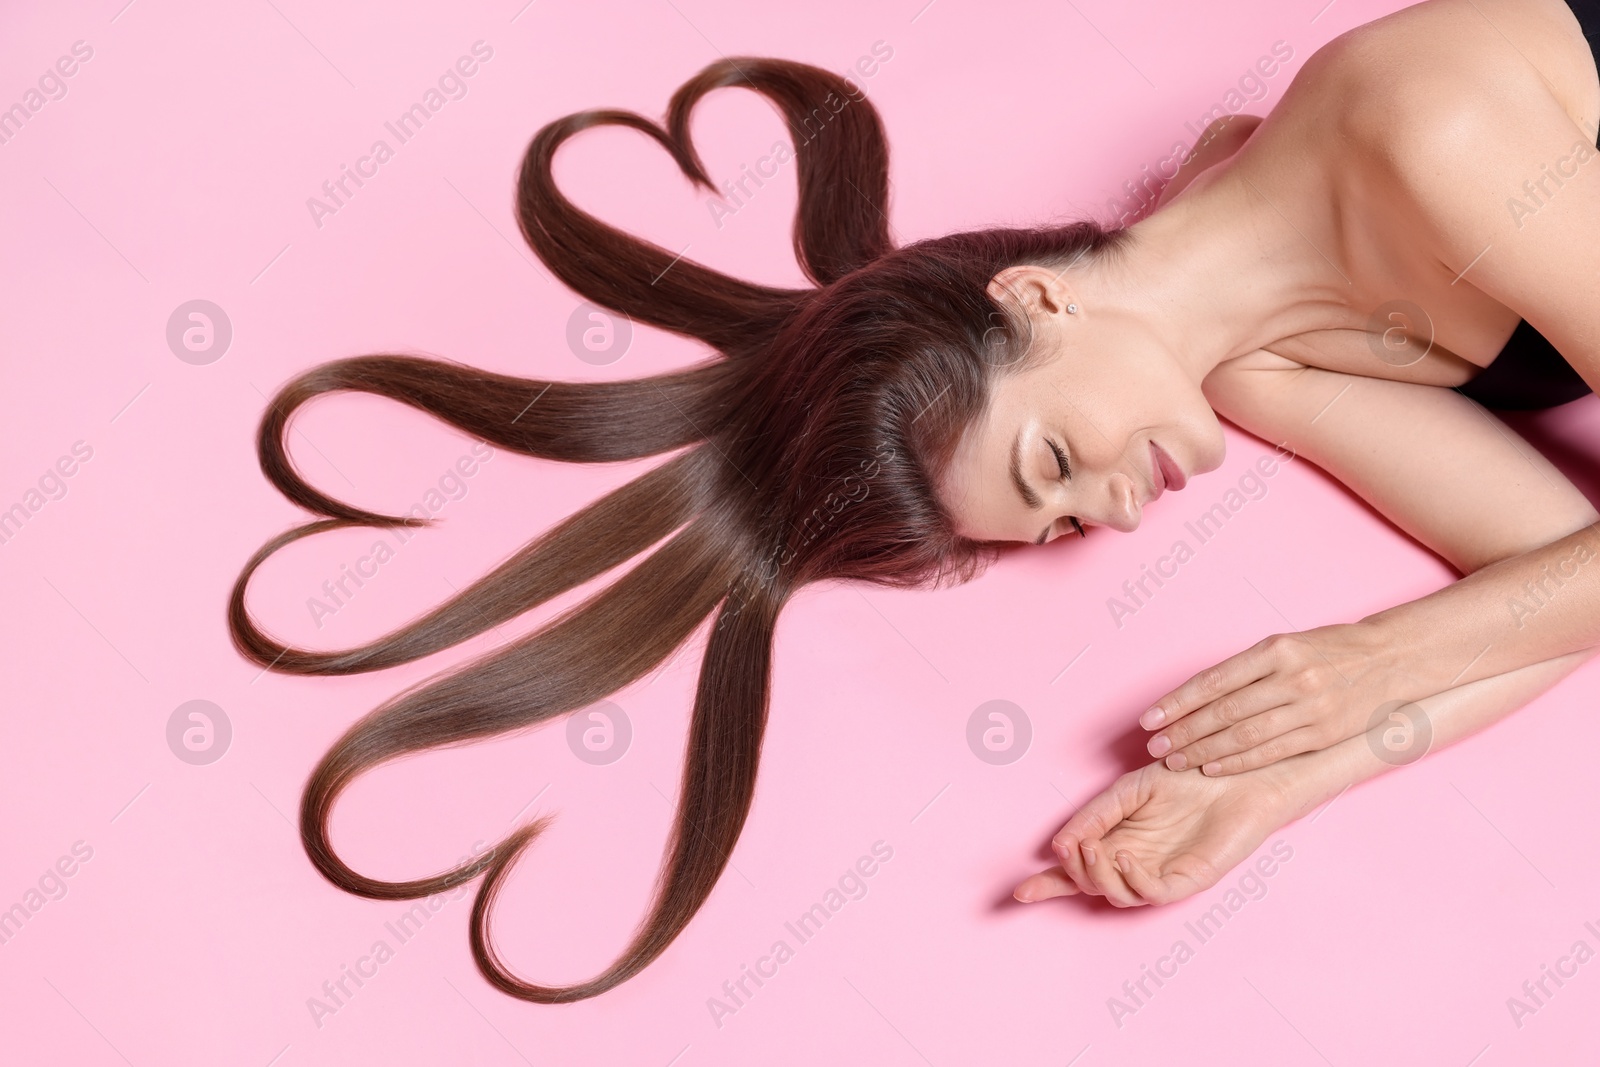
(1313, 778)
(1516, 613)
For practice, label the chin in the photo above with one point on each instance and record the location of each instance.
(1220, 453)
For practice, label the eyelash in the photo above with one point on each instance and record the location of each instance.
(1061, 458)
(1066, 472)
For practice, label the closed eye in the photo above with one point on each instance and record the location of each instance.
(1066, 473)
(1061, 458)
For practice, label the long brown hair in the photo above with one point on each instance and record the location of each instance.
(812, 442)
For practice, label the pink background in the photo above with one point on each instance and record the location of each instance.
(177, 167)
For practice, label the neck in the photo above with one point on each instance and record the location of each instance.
(1218, 273)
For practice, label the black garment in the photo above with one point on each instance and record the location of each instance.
(1529, 372)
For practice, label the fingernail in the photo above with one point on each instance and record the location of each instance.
(1088, 855)
(1160, 746)
(1023, 897)
(1177, 761)
(1211, 768)
(1061, 842)
(1122, 863)
(1152, 718)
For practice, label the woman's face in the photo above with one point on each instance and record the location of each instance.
(1117, 405)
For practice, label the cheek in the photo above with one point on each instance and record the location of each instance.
(1127, 378)
(1162, 395)
(1121, 400)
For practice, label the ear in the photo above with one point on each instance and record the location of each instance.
(1035, 287)
(1052, 294)
(1006, 285)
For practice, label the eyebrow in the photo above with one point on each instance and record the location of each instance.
(1029, 497)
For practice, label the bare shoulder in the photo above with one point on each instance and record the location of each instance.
(1429, 459)
(1474, 124)
(1438, 76)
(1221, 139)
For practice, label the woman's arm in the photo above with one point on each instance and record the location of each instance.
(1462, 152)
(1453, 476)
(1440, 467)
(1450, 716)
(1157, 835)
(1534, 607)
(1298, 693)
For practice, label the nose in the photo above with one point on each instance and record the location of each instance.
(1122, 509)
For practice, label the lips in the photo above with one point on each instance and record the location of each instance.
(1165, 472)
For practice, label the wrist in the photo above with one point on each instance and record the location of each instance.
(1303, 782)
(1387, 631)
(1402, 651)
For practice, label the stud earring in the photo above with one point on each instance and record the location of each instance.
(1072, 309)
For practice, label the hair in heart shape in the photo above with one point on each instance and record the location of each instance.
(811, 444)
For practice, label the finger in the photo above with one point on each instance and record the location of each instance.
(1218, 715)
(1044, 885)
(1097, 816)
(1293, 743)
(1242, 736)
(1107, 879)
(1150, 889)
(1071, 857)
(1233, 673)
(1082, 861)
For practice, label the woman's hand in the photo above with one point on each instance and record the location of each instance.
(1157, 835)
(1287, 694)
